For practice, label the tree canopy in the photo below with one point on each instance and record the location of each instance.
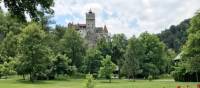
(72, 45)
(34, 8)
(154, 51)
(191, 50)
(134, 54)
(35, 55)
(107, 68)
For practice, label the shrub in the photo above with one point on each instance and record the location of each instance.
(89, 83)
(184, 76)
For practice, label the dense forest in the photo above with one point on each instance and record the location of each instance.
(36, 51)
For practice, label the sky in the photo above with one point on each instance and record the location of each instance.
(130, 17)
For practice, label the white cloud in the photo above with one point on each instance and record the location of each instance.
(129, 16)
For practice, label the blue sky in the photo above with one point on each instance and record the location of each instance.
(130, 17)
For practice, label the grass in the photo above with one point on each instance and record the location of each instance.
(80, 83)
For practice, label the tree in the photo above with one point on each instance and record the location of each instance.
(61, 64)
(9, 29)
(119, 43)
(9, 46)
(170, 55)
(154, 49)
(45, 22)
(8, 24)
(35, 56)
(133, 56)
(92, 61)
(191, 50)
(73, 46)
(107, 68)
(21, 68)
(59, 31)
(104, 45)
(54, 37)
(18, 8)
(194, 66)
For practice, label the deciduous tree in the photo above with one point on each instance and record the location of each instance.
(119, 44)
(34, 8)
(92, 61)
(191, 50)
(61, 64)
(153, 62)
(35, 55)
(107, 68)
(72, 44)
(133, 56)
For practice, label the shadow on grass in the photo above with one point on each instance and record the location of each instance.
(60, 80)
(29, 82)
(40, 81)
(109, 82)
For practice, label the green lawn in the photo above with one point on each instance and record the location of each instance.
(80, 83)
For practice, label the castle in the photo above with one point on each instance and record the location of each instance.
(89, 31)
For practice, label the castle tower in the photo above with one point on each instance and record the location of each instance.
(90, 21)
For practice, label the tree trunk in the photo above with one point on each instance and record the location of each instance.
(128, 77)
(197, 76)
(23, 77)
(133, 78)
(119, 77)
(6, 76)
(32, 79)
(110, 80)
(57, 75)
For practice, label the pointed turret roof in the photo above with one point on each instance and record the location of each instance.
(105, 29)
(90, 11)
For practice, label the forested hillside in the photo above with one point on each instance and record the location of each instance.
(175, 36)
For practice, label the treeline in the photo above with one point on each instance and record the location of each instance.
(39, 52)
